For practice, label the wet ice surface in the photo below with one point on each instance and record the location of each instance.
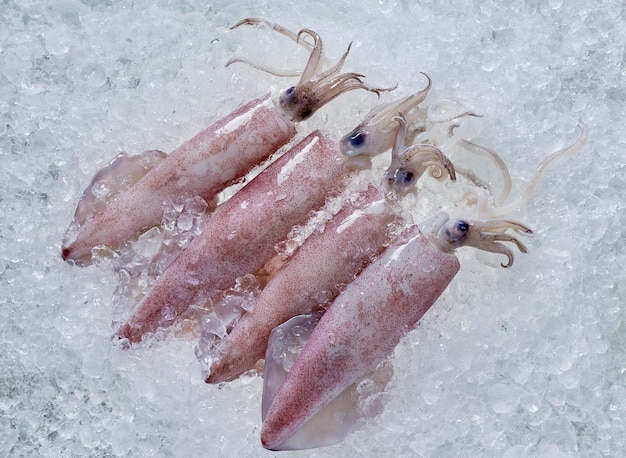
(529, 361)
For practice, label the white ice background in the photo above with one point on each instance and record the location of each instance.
(527, 361)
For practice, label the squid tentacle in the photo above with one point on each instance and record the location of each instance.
(264, 68)
(276, 27)
(563, 153)
(490, 241)
(495, 247)
(280, 29)
(495, 157)
(315, 87)
(385, 114)
(441, 118)
(448, 235)
(313, 64)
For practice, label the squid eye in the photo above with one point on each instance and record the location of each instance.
(357, 138)
(403, 177)
(355, 143)
(457, 230)
(462, 226)
(287, 97)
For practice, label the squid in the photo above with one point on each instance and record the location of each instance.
(365, 323)
(367, 320)
(120, 204)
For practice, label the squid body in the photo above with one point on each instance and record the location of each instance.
(203, 166)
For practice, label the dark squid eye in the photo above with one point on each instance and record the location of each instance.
(403, 177)
(462, 226)
(288, 95)
(357, 138)
(457, 230)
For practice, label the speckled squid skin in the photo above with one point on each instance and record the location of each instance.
(240, 237)
(361, 327)
(354, 236)
(202, 166)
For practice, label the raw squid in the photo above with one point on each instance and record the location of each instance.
(204, 165)
(366, 321)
